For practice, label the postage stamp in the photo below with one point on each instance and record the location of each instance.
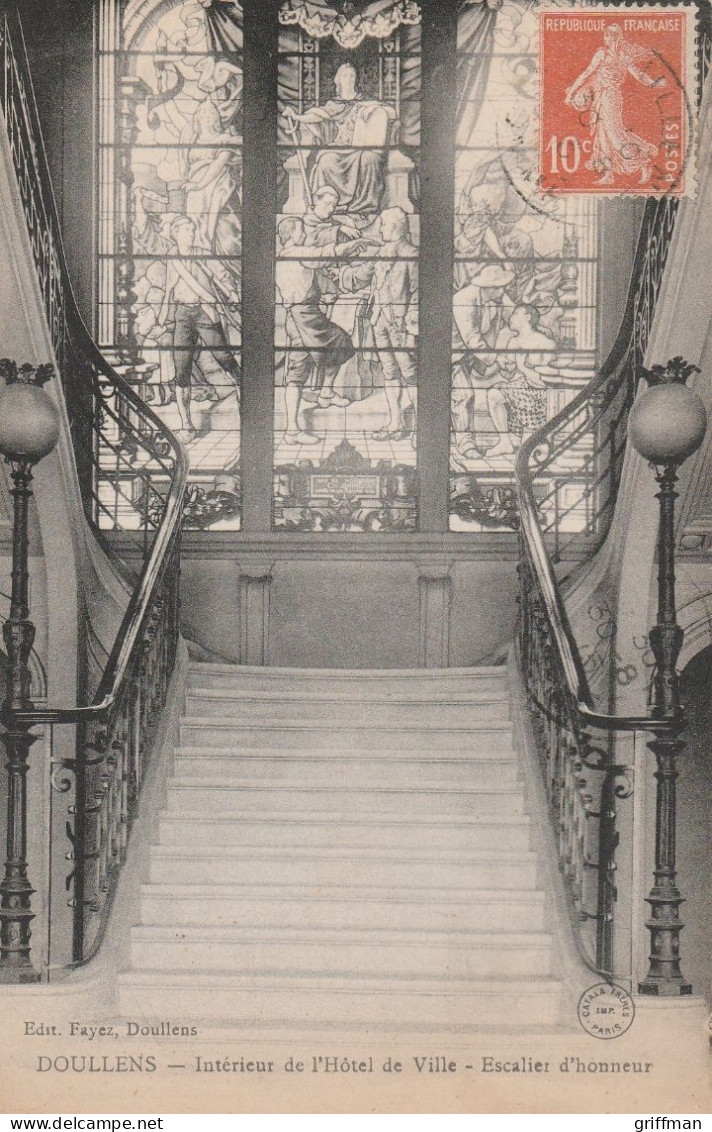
(617, 98)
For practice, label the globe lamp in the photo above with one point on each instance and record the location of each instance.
(29, 423)
(667, 422)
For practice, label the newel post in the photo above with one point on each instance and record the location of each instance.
(29, 428)
(667, 424)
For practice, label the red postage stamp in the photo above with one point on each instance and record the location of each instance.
(615, 100)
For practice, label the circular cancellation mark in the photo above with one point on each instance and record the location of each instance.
(606, 1011)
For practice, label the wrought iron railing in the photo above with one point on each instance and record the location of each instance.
(576, 743)
(125, 459)
(576, 459)
(584, 780)
(123, 454)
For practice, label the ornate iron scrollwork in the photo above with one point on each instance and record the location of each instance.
(124, 457)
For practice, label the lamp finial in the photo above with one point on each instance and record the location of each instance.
(676, 372)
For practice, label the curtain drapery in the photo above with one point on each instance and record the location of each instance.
(347, 25)
(224, 23)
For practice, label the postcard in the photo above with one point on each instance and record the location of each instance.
(355, 539)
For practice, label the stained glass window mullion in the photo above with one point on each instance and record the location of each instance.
(436, 209)
(258, 206)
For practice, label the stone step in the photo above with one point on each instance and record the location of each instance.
(323, 906)
(292, 951)
(208, 732)
(376, 692)
(346, 770)
(319, 830)
(413, 684)
(208, 796)
(368, 712)
(208, 865)
(477, 753)
(318, 1001)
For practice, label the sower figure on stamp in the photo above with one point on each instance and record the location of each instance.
(393, 312)
(316, 345)
(599, 92)
(197, 288)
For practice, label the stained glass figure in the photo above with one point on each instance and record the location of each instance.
(170, 239)
(346, 332)
(524, 288)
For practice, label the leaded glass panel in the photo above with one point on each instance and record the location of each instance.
(170, 241)
(525, 283)
(346, 327)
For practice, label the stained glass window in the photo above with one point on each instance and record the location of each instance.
(346, 326)
(346, 330)
(170, 239)
(525, 284)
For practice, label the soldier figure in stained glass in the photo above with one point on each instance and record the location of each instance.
(317, 347)
(480, 312)
(393, 314)
(201, 292)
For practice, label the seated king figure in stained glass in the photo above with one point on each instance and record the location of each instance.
(344, 128)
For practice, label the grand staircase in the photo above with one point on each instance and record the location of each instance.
(344, 849)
